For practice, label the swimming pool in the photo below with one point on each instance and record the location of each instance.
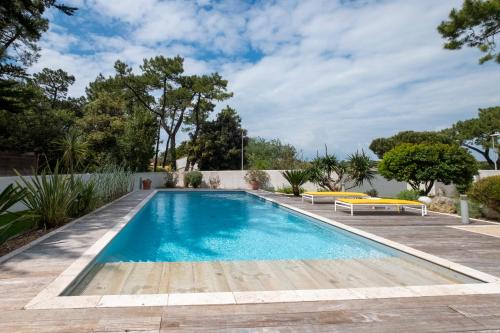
(225, 226)
(234, 241)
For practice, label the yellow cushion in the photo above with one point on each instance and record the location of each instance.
(338, 194)
(380, 201)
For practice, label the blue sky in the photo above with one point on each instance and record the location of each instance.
(309, 72)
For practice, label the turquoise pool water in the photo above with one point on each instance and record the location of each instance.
(215, 226)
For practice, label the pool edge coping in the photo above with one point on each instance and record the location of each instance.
(50, 297)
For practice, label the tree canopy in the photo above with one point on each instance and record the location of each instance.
(421, 165)
(219, 144)
(22, 23)
(270, 155)
(54, 83)
(476, 24)
(475, 133)
(382, 145)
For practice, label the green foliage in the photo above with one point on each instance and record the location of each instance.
(74, 150)
(50, 197)
(193, 178)
(486, 191)
(15, 223)
(21, 26)
(87, 199)
(424, 164)
(207, 90)
(137, 143)
(54, 83)
(380, 146)
(10, 223)
(332, 174)
(257, 178)
(327, 172)
(296, 178)
(219, 143)
(360, 169)
(10, 196)
(372, 192)
(476, 24)
(474, 133)
(162, 90)
(408, 195)
(270, 155)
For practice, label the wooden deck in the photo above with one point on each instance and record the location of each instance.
(23, 276)
(231, 276)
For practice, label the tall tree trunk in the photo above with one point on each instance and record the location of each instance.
(189, 162)
(166, 152)
(173, 154)
(157, 146)
(485, 153)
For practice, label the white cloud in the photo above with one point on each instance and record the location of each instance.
(334, 72)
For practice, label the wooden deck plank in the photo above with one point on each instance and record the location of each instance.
(181, 278)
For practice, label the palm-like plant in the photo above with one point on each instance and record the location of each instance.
(332, 174)
(361, 168)
(74, 149)
(327, 172)
(296, 178)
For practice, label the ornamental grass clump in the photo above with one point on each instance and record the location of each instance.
(112, 182)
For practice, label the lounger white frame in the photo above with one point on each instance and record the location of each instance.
(400, 207)
(311, 196)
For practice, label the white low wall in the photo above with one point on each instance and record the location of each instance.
(235, 180)
(488, 173)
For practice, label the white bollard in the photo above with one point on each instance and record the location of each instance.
(464, 209)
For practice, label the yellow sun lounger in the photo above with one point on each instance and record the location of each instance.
(333, 195)
(377, 202)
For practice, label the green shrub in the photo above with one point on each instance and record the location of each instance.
(408, 195)
(372, 192)
(49, 196)
(193, 178)
(422, 165)
(296, 178)
(486, 191)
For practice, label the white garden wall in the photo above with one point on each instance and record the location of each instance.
(235, 180)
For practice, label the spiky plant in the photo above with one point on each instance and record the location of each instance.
(49, 195)
(296, 178)
(361, 168)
